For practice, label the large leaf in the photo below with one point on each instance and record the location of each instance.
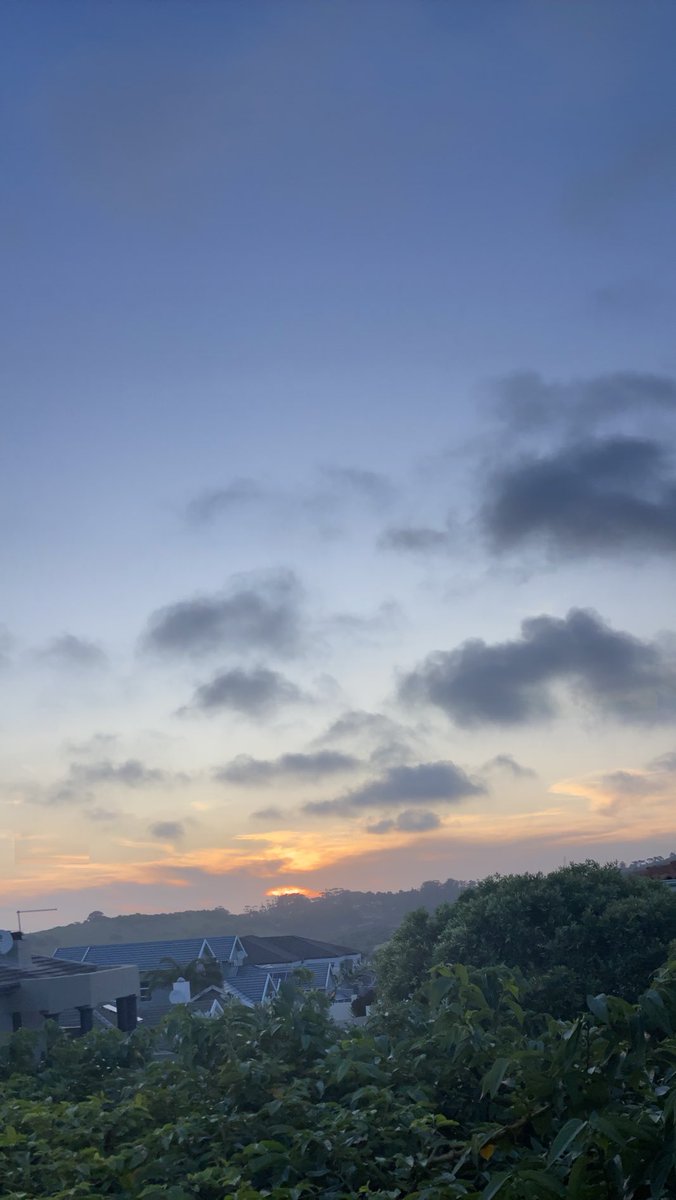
(494, 1077)
(565, 1139)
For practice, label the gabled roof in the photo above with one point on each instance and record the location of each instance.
(225, 947)
(322, 976)
(147, 956)
(287, 948)
(250, 984)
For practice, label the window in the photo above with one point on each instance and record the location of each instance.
(146, 993)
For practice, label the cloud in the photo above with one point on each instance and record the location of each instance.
(97, 744)
(317, 765)
(377, 489)
(665, 762)
(528, 404)
(629, 298)
(613, 792)
(414, 539)
(589, 498)
(388, 616)
(506, 762)
(268, 814)
(217, 502)
(167, 831)
(254, 693)
(257, 612)
(642, 167)
(409, 821)
(74, 652)
(83, 778)
(386, 742)
(132, 773)
(440, 782)
(630, 784)
(511, 683)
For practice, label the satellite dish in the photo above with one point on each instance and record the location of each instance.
(6, 941)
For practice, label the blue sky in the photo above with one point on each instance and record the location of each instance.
(334, 337)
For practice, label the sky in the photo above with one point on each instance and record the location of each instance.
(337, 478)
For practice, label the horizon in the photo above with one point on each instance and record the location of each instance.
(338, 475)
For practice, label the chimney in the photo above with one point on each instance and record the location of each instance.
(19, 955)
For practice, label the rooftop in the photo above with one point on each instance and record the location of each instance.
(12, 976)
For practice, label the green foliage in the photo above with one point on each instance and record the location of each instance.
(199, 973)
(461, 1092)
(579, 930)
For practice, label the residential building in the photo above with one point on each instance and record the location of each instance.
(36, 989)
(252, 969)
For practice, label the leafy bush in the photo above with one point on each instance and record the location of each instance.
(579, 930)
(461, 1092)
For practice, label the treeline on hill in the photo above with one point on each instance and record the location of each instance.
(360, 919)
(465, 1089)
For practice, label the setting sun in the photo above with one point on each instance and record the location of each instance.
(292, 891)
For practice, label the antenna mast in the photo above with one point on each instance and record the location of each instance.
(20, 912)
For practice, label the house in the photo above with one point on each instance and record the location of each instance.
(252, 969)
(36, 989)
(664, 870)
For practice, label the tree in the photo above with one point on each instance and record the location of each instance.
(200, 973)
(402, 964)
(465, 1095)
(580, 930)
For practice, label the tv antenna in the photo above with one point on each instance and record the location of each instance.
(20, 912)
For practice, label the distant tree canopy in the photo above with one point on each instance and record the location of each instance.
(362, 920)
(578, 931)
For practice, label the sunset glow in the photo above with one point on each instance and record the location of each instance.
(292, 891)
(340, 455)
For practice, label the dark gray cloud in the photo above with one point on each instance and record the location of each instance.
(254, 693)
(384, 741)
(268, 814)
(100, 814)
(440, 782)
(628, 784)
(73, 652)
(316, 765)
(529, 404)
(410, 821)
(513, 682)
(220, 501)
(414, 539)
(260, 612)
(167, 831)
(79, 786)
(131, 773)
(590, 498)
(507, 762)
(665, 762)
